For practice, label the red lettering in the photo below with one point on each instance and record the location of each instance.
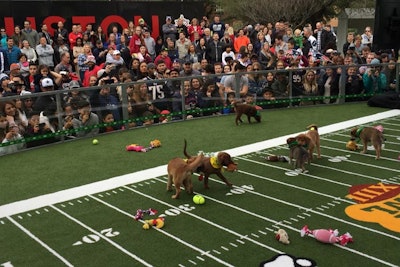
(9, 25)
(51, 23)
(155, 26)
(83, 21)
(113, 19)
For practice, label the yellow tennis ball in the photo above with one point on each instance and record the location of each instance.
(199, 200)
(95, 141)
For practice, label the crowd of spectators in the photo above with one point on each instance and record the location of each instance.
(205, 52)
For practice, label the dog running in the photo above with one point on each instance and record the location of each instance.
(248, 110)
(213, 165)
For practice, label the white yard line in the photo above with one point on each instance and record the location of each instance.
(114, 244)
(52, 251)
(115, 182)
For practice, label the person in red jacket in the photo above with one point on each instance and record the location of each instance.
(136, 41)
(164, 56)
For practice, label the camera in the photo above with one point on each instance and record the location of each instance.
(108, 81)
(63, 72)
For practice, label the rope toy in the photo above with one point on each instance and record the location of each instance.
(140, 213)
(138, 148)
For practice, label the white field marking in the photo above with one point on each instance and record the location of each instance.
(192, 262)
(200, 258)
(233, 244)
(294, 219)
(358, 152)
(115, 182)
(240, 241)
(325, 207)
(286, 169)
(292, 228)
(255, 235)
(202, 252)
(224, 248)
(296, 206)
(294, 186)
(318, 208)
(31, 235)
(216, 252)
(261, 232)
(114, 244)
(347, 172)
(365, 155)
(206, 221)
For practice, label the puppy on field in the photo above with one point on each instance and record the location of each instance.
(180, 173)
(298, 153)
(313, 134)
(248, 110)
(369, 134)
(213, 165)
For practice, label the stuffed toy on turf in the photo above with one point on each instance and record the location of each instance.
(352, 145)
(327, 236)
(158, 223)
(282, 236)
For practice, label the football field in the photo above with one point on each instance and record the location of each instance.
(94, 224)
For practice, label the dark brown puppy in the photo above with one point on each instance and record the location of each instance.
(298, 153)
(180, 173)
(369, 134)
(213, 165)
(248, 110)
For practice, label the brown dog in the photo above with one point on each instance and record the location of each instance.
(180, 173)
(248, 110)
(313, 134)
(369, 134)
(214, 165)
(298, 153)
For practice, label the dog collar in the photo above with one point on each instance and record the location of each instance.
(358, 132)
(292, 144)
(214, 162)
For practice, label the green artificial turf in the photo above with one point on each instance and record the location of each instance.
(61, 166)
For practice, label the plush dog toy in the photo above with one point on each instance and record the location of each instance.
(352, 145)
(158, 223)
(137, 148)
(282, 236)
(328, 236)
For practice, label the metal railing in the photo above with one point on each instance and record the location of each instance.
(60, 134)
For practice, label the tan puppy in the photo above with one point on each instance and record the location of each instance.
(313, 134)
(180, 173)
(369, 134)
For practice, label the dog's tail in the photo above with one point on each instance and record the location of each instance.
(184, 151)
(312, 127)
(196, 163)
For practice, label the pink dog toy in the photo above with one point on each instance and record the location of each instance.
(379, 128)
(328, 236)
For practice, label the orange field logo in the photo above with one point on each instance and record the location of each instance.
(376, 203)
